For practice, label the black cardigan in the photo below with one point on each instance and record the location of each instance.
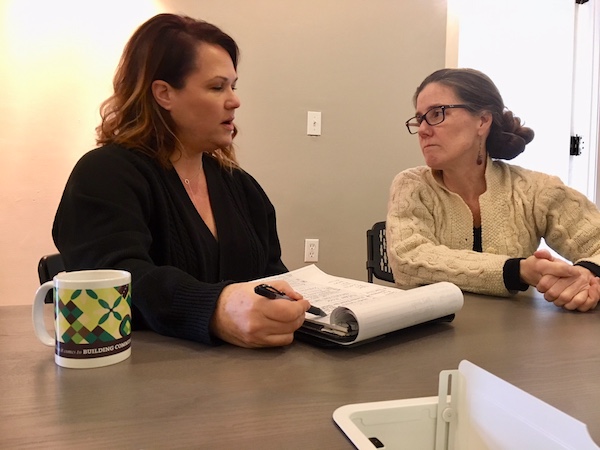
(121, 209)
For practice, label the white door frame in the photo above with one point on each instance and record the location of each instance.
(583, 169)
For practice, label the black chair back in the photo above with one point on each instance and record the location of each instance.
(49, 266)
(377, 259)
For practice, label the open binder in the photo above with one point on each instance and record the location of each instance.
(474, 410)
(358, 312)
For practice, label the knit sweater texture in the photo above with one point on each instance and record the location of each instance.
(121, 209)
(429, 229)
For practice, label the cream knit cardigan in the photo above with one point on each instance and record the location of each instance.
(429, 229)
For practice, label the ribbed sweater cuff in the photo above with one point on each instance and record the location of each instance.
(594, 268)
(512, 275)
(197, 305)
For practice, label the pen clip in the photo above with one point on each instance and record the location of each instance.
(268, 291)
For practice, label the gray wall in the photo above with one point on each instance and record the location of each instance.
(356, 61)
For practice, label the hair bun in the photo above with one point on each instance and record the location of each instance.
(513, 138)
(512, 124)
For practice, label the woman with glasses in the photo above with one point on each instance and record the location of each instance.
(472, 219)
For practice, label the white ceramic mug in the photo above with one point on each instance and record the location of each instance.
(92, 317)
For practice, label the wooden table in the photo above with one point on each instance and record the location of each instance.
(178, 394)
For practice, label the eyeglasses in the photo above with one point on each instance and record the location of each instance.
(434, 116)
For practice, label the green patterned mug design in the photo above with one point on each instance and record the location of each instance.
(92, 322)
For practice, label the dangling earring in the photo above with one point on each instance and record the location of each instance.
(479, 156)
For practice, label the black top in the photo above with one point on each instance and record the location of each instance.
(121, 209)
(477, 240)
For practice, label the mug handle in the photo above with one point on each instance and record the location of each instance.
(38, 314)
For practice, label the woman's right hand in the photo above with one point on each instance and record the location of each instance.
(542, 263)
(246, 319)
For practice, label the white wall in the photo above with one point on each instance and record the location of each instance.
(357, 61)
(57, 63)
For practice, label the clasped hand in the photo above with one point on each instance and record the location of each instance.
(246, 319)
(565, 285)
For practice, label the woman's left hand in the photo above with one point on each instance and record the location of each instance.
(580, 291)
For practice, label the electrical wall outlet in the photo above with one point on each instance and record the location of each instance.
(311, 250)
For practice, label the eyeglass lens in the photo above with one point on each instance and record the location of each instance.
(434, 116)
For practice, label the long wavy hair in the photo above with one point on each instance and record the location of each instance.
(163, 48)
(508, 137)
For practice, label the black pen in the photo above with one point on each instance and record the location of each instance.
(269, 291)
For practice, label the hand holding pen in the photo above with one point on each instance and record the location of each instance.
(242, 320)
(272, 293)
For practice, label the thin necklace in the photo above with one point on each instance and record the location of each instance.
(187, 181)
(188, 187)
(187, 184)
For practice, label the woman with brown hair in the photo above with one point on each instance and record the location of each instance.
(164, 197)
(472, 219)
